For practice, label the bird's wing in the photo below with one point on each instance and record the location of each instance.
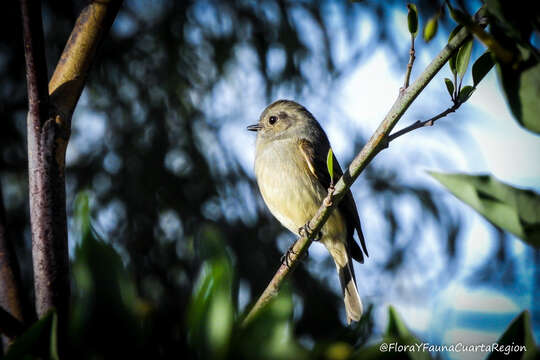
(316, 162)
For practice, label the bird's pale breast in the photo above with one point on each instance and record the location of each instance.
(290, 190)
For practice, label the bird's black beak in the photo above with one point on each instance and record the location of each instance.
(255, 127)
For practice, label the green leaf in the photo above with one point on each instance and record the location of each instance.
(211, 311)
(459, 16)
(519, 333)
(37, 340)
(102, 285)
(454, 32)
(397, 331)
(270, 333)
(522, 89)
(82, 213)
(53, 348)
(465, 93)
(430, 30)
(412, 19)
(396, 327)
(481, 67)
(330, 165)
(449, 87)
(453, 59)
(514, 210)
(463, 57)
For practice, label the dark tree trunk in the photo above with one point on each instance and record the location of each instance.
(13, 316)
(46, 179)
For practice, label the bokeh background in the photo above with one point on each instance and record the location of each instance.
(159, 148)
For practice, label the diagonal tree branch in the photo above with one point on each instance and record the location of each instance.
(71, 72)
(359, 163)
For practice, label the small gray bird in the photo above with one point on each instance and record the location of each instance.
(291, 171)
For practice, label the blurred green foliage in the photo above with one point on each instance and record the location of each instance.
(107, 305)
(38, 341)
(513, 26)
(513, 29)
(108, 317)
(105, 300)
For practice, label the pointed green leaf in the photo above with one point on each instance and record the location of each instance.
(465, 93)
(481, 67)
(459, 16)
(514, 210)
(463, 57)
(53, 348)
(396, 327)
(452, 61)
(36, 340)
(270, 332)
(430, 30)
(412, 19)
(397, 331)
(454, 32)
(211, 310)
(517, 337)
(449, 86)
(101, 285)
(330, 165)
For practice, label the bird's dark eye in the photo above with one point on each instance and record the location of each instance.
(272, 120)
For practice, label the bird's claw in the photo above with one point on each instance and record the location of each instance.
(306, 231)
(286, 258)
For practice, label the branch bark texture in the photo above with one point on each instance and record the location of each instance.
(46, 181)
(373, 146)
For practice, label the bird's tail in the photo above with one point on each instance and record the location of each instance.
(344, 265)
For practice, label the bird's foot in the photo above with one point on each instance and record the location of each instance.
(286, 258)
(306, 231)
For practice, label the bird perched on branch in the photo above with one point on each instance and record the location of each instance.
(293, 177)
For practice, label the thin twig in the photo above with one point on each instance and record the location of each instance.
(368, 152)
(412, 57)
(418, 124)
